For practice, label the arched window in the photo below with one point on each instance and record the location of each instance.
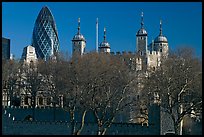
(160, 49)
(26, 100)
(40, 100)
(48, 100)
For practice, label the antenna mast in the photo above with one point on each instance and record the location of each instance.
(96, 34)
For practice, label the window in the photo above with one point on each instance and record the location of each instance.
(48, 100)
(40, 101)
(161, 50)
(141, 53)
(26, 100)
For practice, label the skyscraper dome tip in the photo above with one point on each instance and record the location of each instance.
(45, 7)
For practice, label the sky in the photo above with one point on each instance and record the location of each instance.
(181, 23)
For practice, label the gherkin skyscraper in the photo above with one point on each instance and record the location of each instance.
(45, 36)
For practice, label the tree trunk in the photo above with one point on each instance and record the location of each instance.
(104, 131)
(99, 128)
(109, 124)
(72, 122)
(176, 128)
(82, 123)
(33, 107)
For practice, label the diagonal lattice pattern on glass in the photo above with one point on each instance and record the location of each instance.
(45, 36)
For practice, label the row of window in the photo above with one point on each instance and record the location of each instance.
(40, 101)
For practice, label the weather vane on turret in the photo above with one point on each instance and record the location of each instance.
(104, 34)
(142, 22)
(160, 27)
(78, 25)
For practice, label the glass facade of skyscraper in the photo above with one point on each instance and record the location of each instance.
(45, 35)
(5, 48)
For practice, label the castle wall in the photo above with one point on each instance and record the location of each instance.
(17, 126)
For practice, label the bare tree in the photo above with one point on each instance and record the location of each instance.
(178, 83)
(60, 77)
(33, 82)
(106, 82)
(94, 82)
(10, 77)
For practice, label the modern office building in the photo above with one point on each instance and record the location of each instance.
(45, 36)
(5, 48)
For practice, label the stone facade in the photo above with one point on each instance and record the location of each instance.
(29, 54)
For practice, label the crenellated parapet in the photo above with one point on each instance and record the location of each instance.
(122, 53)
(153, 53)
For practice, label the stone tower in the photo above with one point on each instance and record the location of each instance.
(161, 43)
(78, 42)
(141, 39)
(104, 46)
(141, 44)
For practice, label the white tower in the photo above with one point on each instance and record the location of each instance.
(104, 46)
(141, 39)
(78, 42)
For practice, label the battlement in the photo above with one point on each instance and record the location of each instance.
(122, 53)
(133, 53)
(29, 107)
(90, 124)
(153, 53)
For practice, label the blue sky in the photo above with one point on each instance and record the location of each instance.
(182, 23)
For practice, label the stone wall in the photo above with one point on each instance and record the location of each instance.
(166, 122)
(13, 123)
